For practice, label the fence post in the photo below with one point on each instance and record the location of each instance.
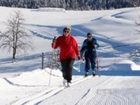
(42, 61)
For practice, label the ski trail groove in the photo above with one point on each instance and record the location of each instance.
(83, 96)
(25, 100)
(92, 91)
(32, 100)
(40, 99)
(115, 97)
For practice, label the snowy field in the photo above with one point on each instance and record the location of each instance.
(117, 83)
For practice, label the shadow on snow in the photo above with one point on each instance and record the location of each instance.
(123, 69)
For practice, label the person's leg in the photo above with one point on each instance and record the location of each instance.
(69, 70)
(64, 67)
(93, 62)
(87, 66)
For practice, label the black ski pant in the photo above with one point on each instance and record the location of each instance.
(90, 59)
(67, 68)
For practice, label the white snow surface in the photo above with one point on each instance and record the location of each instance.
(118, 77)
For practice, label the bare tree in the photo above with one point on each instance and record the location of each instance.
(15, 37)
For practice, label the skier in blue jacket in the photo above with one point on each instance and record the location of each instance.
(88, 52)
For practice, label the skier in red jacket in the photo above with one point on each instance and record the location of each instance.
(68, 53)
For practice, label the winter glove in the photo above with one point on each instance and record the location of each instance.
(83, 58)
(54, 39)
(79, 57)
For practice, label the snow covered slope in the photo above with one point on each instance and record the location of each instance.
(24, 83)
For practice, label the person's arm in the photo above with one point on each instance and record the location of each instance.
(76, 48)
(55, 43)
(97, 45)
(83, 49)
(77, 51)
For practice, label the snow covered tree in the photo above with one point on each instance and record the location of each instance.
(15, 37)
(71, 4)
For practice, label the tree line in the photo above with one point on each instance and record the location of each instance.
(72, 4)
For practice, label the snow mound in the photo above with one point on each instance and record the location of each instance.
(38, 77)
(125, 66)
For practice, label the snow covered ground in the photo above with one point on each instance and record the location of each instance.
(117, 82)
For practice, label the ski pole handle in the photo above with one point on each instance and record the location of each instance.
(54, 39)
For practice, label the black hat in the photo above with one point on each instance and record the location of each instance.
(89, 34)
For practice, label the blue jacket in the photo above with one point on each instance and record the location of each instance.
(89, 47)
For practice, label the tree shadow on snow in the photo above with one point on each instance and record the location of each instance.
(21, 64)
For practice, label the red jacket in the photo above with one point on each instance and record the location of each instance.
(68, 47)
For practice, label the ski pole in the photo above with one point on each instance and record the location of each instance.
(50, 77)
(97, 64)
(51, 64)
